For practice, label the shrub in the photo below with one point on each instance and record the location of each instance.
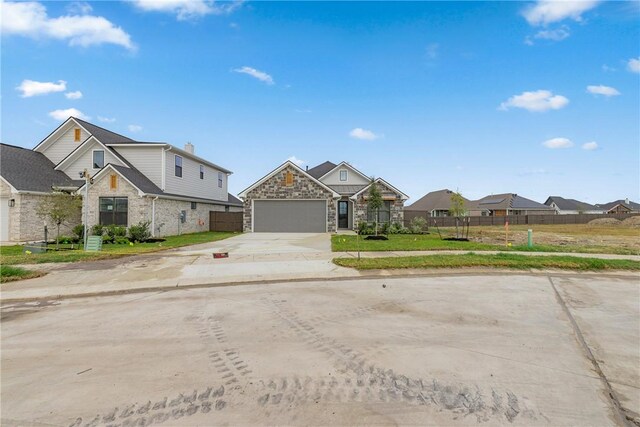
(384, 228)
(140, 233)
(67, 239)
(97, 230)
(418, 225)
(121, 241)
(78, 230)
(114, 231)
(397, 228)
(365, 229)
(107, 239)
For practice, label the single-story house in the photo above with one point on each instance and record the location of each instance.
(564, 206)
(435, 203)
(325, 198)
(507, 204)
(128, 181)
(620, 206)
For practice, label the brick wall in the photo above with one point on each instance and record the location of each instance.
(397, 206)
(302, 188)
(26, 225)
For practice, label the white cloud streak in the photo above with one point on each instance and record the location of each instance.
(603, 90)
(260, 75)
(633, 65)
(536, 101)
(134, 128)
(545, 12)
(296, 161)
(31, 88)
(61, 115)
(555, 143)
(73, 95)
(106, 119)
(364, 134)
(186, 10)
(590, 146)
(30, 19)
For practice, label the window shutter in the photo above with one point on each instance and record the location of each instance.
(113, 183)
(288, 180)
(76, 135)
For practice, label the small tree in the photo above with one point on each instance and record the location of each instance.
(375, 202)
(59, 208)
(457, 209)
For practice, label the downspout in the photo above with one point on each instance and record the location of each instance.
(153, 216)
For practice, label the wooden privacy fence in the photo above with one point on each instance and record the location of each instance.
(225, 221)
(513, 219)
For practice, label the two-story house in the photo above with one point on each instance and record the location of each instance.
(130, 181)
(326, 198)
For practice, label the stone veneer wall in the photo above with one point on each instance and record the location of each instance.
(167, 211)
(302, 188)
(397, 207)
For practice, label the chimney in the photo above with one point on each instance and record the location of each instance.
(189, 148)
(307, 168)
(626, 201)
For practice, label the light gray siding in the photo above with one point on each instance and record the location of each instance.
(353, 178)
(65, 144)
(85, 160)
(147, 160)
(190, 184)
(290, 216)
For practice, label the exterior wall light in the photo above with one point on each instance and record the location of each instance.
(12, 202)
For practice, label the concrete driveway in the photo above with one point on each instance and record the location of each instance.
(468, 350)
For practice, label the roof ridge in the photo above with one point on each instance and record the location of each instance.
(100, 127)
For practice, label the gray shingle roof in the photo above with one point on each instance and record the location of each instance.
(321, 170)
(507, 201)
(347, 190)
(28, 170)
(234, 201)
(631, 205)
(570, 204)
(105, 136)
(435, 200)
(138, 179)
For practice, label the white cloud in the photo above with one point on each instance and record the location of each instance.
(73, 95)
(79, 8)
(367, 135)
(297, 161)
(260, 75)
(633, 65)
(540, 100)
(603, 90)
(590, 146)
(556, 35)
(30, 19)
(106, 119)
(69, 112)
(558, 143)
(188, 9)
(607, 69)
(432, 50)
(32, 88)
(545, 12)
(134, 128)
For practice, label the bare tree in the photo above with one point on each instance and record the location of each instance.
(457, 209)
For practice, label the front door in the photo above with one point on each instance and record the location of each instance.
(343, 214)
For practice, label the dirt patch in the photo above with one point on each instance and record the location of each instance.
(634, 222)
(604, 221)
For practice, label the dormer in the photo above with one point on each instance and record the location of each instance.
(344, 174)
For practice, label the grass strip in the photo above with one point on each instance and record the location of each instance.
(9, 273)
(11, 255)
(503, 260)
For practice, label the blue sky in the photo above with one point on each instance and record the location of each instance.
(485, 97)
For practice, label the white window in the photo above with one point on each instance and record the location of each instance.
(178, 166)
(98, 159)
(220, 179)
(201, 171)
(343, 175)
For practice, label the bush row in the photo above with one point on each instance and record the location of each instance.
(112, 233)
(418, 225)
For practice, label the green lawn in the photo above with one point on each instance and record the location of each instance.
(9, 273)
(504, 260)
(432, 242)
(11, 255)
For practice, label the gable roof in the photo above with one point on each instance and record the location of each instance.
(321, 170)
(244, 192)
(347, 165)
(435, 200)
(28, 170)
(104, 135)
(234, 201)
(83, 147)
(386, 184)
(507, 201)
(631, 205)
(570, 204)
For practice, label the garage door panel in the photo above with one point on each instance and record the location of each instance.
(294, 216)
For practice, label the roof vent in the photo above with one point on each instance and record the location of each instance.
(626, 201)
(189, 148)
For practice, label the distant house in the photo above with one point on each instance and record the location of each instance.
(507, 204)
(620, 206)
(564, 206)
(435, 203)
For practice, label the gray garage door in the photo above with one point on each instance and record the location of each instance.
(294, 216)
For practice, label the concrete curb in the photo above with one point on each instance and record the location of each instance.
(370, 274)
